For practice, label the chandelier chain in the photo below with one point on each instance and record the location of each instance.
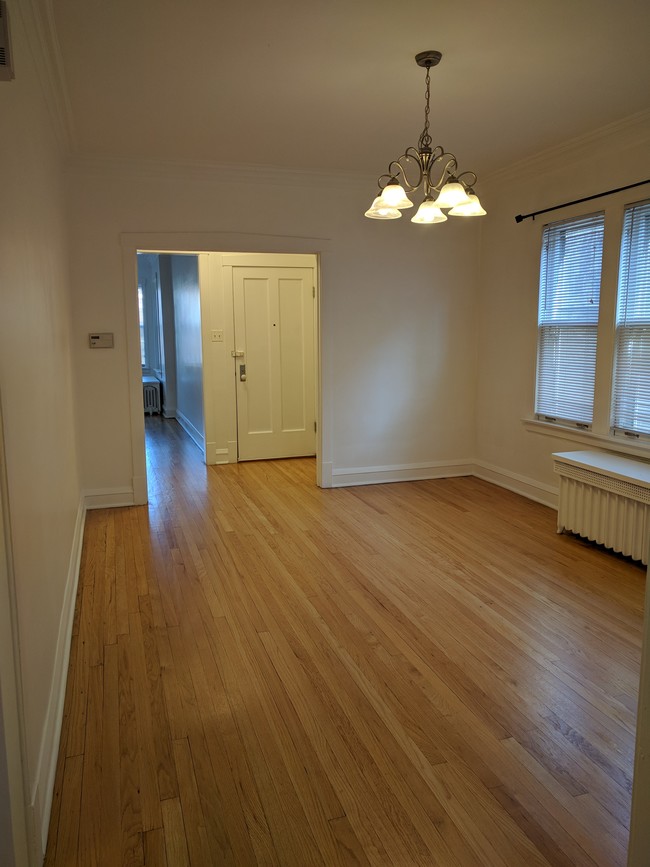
(425, 138)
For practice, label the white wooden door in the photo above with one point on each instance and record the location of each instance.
(274, 312)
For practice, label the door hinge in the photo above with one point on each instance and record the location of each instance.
(315, 427)
(313, 291)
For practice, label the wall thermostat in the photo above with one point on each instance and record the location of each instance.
(101, 340)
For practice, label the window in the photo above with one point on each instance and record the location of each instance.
(143, 355)
(149, 309)
(631, 383)
(569, 295)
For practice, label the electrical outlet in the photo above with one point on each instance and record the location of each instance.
(216, 335)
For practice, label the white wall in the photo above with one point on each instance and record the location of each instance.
(43, 494)
(189, 354)
(397, 306)
(508, 292)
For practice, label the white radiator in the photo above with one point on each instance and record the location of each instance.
(606, 499)
(151, 394)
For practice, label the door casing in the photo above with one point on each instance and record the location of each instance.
(213, 242)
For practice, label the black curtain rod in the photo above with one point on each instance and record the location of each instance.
(534, 214)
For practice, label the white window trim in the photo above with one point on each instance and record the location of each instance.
(601, 435)
(618, 444)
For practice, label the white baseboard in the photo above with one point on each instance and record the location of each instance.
(43, 788)
(325, 480)
(211, 454)
(221, 456)
(190, 430)
(346, 476)
(527, 487)
(108, 498)
(139, 490)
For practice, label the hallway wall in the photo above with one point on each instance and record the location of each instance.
(38, 408)
(189, 356)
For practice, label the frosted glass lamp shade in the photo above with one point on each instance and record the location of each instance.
(380, 211)
(428, 212)
(394, 196)
(452, 194)
(472, 209)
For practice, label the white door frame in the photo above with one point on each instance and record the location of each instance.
(211, 242)
(13, 786)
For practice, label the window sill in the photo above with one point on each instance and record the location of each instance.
(587, 438)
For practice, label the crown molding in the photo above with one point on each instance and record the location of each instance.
(38, 20)
(635, 128)
(206, 172)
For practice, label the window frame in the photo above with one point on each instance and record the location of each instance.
(624, 300)
(563, 309)
(600, 435)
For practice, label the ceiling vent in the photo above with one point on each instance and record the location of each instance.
(6, 60)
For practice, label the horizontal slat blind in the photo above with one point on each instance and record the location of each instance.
(631, 390)
(569, 295)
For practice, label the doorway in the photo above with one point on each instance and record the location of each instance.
(257, 358)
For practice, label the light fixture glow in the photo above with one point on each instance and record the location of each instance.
(429, 212)
(433, 169)
(380, 211)
(471, 209)
(394, 196)
(452, 194)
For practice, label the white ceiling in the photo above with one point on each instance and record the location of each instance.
(332, 84)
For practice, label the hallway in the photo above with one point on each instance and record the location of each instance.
(267, 673)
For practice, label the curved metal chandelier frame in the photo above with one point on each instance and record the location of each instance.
(433, 169)
(425, 160)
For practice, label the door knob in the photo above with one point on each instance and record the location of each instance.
(242, 373)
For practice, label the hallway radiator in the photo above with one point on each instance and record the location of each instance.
(606, 499)
(151, 394)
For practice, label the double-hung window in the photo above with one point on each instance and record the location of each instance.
(631, 382)
(569, 295)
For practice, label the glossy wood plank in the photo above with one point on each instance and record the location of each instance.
(267, 673)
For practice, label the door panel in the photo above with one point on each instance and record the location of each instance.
(274, 328)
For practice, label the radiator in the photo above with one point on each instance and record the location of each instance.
(151, 394)
(605, 498)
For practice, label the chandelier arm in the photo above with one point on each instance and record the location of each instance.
(446, 172)
(467, 184)
(397, 170)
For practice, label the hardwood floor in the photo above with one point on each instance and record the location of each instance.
(265, 673)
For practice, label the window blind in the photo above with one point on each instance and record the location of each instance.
(569, 296)
(631, 385)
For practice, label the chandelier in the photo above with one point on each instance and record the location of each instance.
(433, 169)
